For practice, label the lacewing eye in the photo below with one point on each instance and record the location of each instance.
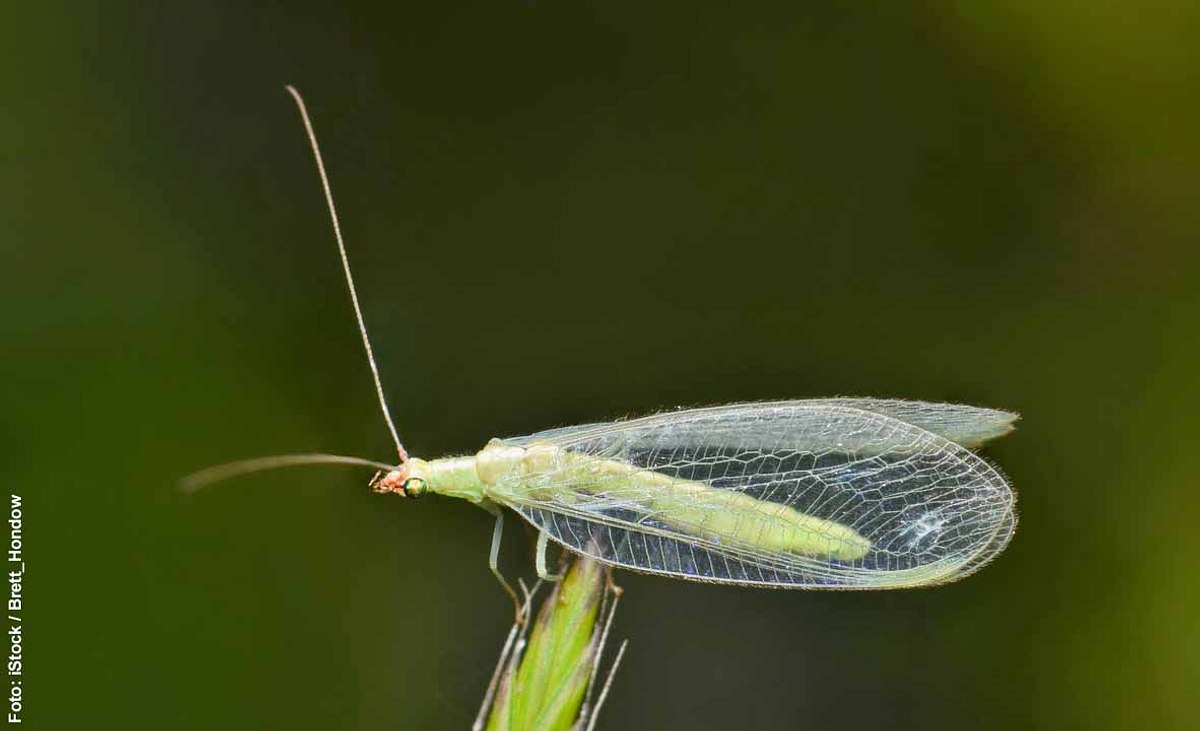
(415, 487)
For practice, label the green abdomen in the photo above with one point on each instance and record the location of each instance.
(551, 474)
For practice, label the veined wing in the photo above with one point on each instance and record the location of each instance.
(969, 426)
(787, 494)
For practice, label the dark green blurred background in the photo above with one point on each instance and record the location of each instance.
(565, 215)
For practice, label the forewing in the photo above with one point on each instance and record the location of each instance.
(932, 510)
(969, 426)
(557, 434)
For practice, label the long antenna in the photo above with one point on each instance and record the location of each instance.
(337, 232)
(222, 472)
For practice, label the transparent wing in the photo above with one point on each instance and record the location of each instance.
(556, 434)
(969, 426)
(665, 494)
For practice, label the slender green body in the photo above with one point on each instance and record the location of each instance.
(509, 475)
(824, 494)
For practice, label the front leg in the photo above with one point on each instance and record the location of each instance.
(494, 556)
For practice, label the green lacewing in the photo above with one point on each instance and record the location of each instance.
(847, 493)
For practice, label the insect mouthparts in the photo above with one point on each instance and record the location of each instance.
(392, 481)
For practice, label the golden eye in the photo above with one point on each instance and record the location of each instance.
(415, 487)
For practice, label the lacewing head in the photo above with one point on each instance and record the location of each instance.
(407, 480)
